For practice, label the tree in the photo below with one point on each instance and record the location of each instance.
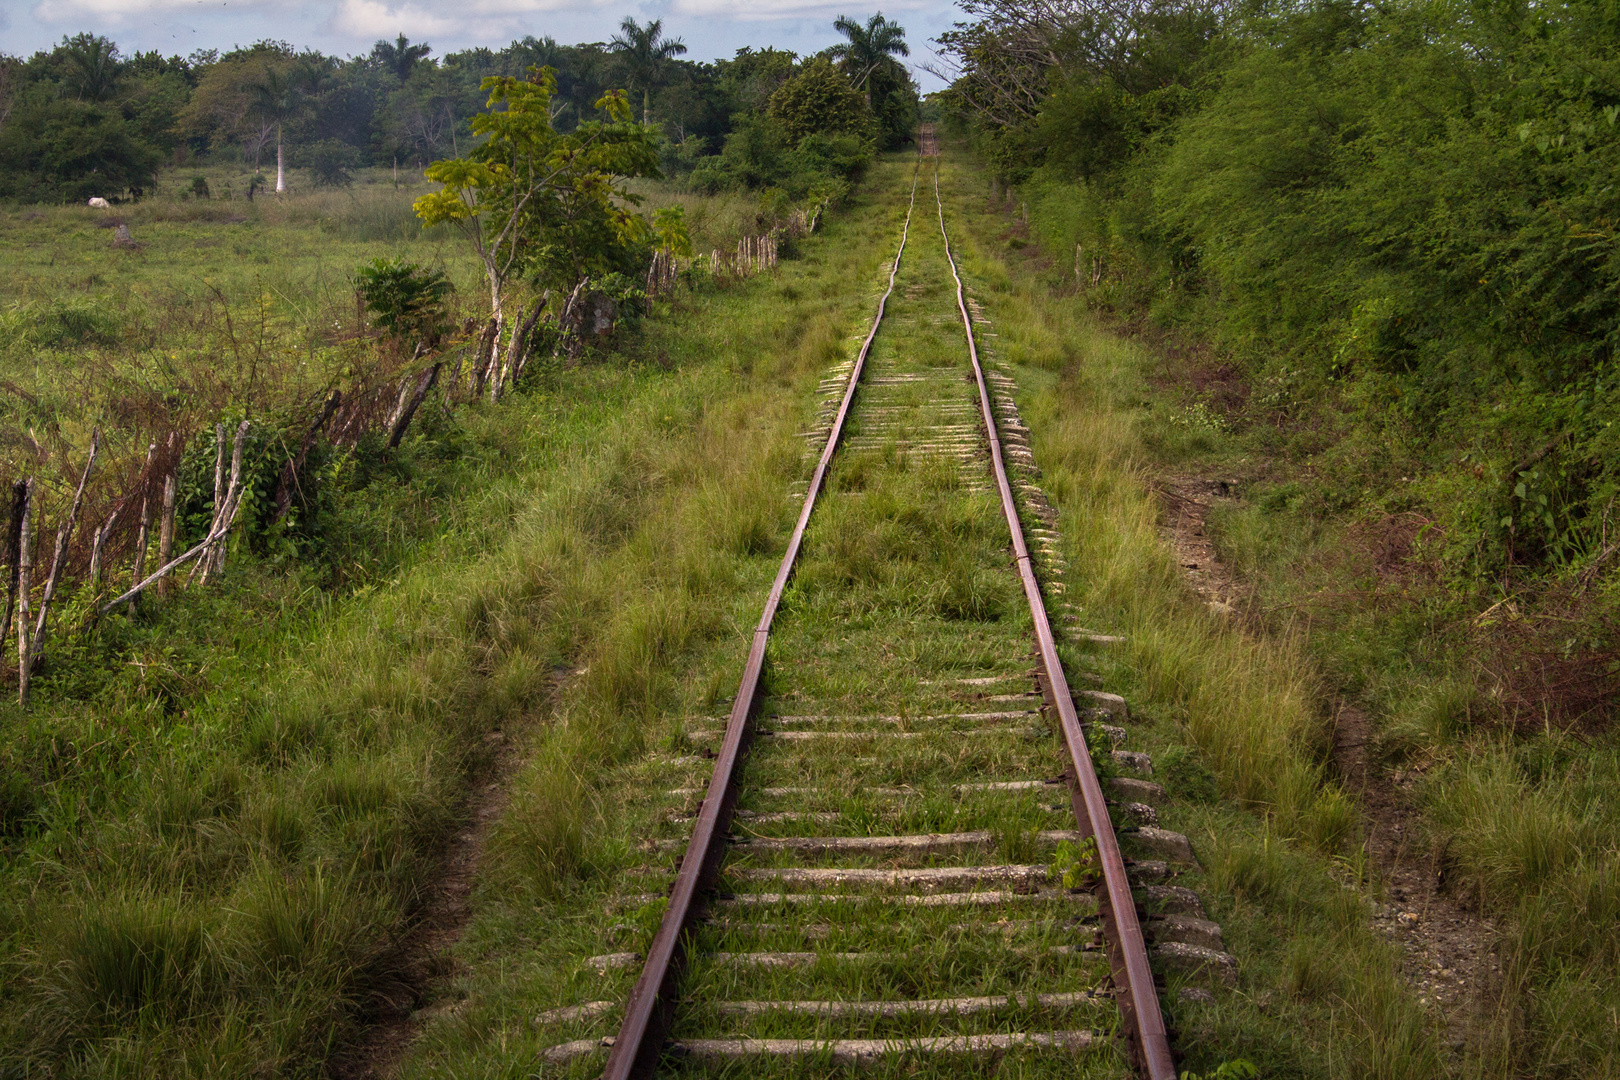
(645, 50)
(70, 150)
(400, 56)
(820, 101)
(276, 99)
(530, 197)
(92, 66)
(867, 47)
(223, 109)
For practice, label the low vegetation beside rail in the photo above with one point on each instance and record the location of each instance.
(1233, 723)
(1368, 252)
(219, 815)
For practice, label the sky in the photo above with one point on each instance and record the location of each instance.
(710, 28)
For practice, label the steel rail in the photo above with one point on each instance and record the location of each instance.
(640, 1042)
(1139, 999)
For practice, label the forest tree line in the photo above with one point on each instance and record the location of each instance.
(85, 120)
(1397, 220)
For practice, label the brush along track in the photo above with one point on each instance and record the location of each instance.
(867, 878)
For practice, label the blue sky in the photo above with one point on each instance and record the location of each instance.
(711, 28)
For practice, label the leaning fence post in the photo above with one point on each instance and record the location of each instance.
(24, 582)
(20, 492)
(166, 529)
(64, 536)
(213, 561)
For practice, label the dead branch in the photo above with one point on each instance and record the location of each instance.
(402, 421)
(59, 560)
(166, 525)
(232, 498)
(25, 567)
(225, 516)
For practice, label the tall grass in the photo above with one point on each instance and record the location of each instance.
(1323, 995)
(210, 888)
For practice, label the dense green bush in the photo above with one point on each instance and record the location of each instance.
(1399, 219)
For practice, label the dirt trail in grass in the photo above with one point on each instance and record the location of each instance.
(421, 959)
(1450, 961)
(1449, 958)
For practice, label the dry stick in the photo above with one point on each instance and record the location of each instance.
(219, 468)
(492, 362)
(97, 542)
(216, 558)
(141, 538)
(25, 568)
(503, 374)
(166, 526)
(289, 472)
(64, 535)
(527, 330)
(20, 492)
(479, 369)
(396, 430)
(214, 561)
(232, 499)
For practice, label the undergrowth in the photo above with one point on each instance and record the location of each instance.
(208, 856)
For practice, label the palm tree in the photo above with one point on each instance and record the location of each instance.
(93, 66)
(645, 50)
(276, 100)
(399, 56)
(868, 46)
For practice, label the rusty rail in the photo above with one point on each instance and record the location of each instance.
(1127, 950)
(640, 1041)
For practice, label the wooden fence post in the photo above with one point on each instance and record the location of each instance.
(166, 529)
(20, 492)
(25, 569)
(64, 536)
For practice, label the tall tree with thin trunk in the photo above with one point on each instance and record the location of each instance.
(276, 99)
(645, 50)
(867, 47)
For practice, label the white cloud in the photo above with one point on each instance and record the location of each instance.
(460, 19)
(748, 10)
(57, 11)
(374, 18)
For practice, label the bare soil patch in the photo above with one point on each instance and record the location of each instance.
(1450, 959)
(1187, 501)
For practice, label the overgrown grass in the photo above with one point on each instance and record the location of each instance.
(1234, 721)
(204, 880)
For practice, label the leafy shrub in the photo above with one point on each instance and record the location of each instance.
(330, 162)
(404, 299)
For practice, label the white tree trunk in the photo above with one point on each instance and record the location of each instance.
(281, 171)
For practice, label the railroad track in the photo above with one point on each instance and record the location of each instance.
(873, 873)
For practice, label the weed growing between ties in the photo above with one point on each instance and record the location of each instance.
(662, 630)
(903, 587)
(1233, 723)
(202, 878)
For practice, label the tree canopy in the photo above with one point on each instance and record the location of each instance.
(401, 104)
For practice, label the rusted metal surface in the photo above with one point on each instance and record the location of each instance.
(1139, 999)
(640, 1041)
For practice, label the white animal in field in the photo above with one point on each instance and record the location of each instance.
(100, 204)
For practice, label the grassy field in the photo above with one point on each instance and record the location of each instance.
(208, 849)
(219, 816)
